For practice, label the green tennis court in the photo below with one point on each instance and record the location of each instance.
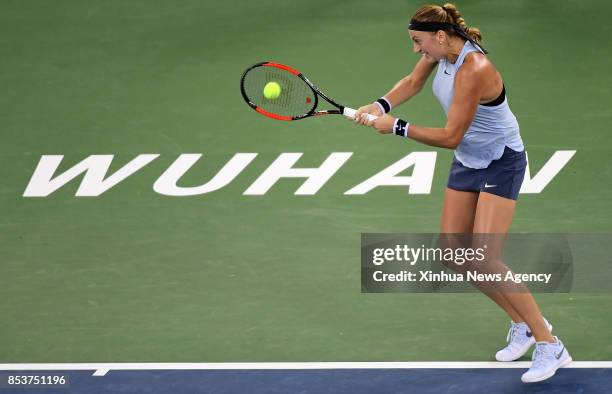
(132, 275)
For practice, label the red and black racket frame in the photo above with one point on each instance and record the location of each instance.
(316, 93)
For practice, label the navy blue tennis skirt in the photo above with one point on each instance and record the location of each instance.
(503, 177)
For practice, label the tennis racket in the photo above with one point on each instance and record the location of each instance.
(297, 98)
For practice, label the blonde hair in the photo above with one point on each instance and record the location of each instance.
(447, 13)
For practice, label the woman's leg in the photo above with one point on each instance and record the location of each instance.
(494, 216)
(458, 211)
(458, 214)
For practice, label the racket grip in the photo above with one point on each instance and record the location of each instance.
(350, 113)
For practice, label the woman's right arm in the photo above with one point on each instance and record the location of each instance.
(403, 90)
(411, 84)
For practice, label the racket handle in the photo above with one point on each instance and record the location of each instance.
(350, 113)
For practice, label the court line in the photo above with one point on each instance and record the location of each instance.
(101, 369)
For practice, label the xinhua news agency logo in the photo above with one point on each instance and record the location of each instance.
(420, 166)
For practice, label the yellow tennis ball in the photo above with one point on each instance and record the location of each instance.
(272, 90)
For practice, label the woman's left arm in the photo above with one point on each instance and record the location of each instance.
(468, 91)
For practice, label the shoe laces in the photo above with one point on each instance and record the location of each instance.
(512, 332)
(540, 354)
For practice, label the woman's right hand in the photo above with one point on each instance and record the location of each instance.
(372, 109)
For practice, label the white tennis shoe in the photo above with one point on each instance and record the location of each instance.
(547, 358)
(520, 339)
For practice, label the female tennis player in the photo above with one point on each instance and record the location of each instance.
(489, 158)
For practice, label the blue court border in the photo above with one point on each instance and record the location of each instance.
(256, 378)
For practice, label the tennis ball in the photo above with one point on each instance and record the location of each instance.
(272, 90)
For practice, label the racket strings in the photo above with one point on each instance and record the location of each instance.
(296, 97)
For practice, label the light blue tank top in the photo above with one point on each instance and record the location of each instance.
(492, 129)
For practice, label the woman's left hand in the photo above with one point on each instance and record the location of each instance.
(383, 124)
